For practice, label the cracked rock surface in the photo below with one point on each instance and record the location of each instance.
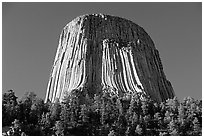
(99, 51)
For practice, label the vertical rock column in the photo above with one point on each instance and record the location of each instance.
(101, 51)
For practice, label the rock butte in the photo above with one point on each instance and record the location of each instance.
(98, 51)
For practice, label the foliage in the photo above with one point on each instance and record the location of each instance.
(9, 107)
(102, 114)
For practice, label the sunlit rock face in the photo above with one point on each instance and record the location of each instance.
(99, 51)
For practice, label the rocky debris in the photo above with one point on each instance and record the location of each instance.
(99, 51)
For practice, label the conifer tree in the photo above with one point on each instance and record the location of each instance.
(197, 131)
(138, 130)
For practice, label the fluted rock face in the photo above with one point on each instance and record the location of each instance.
(100, 51)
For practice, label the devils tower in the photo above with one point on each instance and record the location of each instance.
(98, 51)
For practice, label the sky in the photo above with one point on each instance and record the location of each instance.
(30, 33)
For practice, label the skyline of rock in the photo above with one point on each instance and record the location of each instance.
(98, 51)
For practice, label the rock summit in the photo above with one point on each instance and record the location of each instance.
(98, 51)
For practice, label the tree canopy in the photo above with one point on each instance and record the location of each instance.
(101, 115)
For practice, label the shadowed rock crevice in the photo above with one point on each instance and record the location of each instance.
(99, 51)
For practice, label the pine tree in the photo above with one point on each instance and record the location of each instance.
(16, 128)
(145, 108)
(97, 103)
(84, 114)
(128, 132)
(10, 109)
(173, 128)
(26, 102)
(59, 129)
(159, 120)
(138, 130)
(112, 133)
(65, 117)
(197, 130)
(36, 110)
(183, 127)
(45, 123)
(55, 111)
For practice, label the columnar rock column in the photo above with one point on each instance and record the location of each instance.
(101, 51)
